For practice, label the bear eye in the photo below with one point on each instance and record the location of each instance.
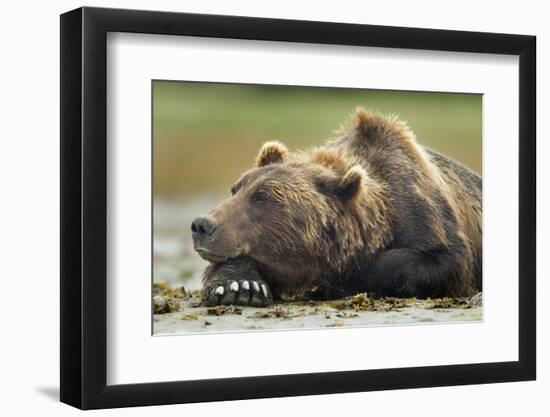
(259, 196)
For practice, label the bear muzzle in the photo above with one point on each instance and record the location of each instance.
(203, 229)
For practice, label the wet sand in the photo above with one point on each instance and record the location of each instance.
(191, 317)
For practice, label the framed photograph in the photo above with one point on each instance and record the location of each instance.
(257, 208)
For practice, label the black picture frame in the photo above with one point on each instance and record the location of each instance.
(84, 207)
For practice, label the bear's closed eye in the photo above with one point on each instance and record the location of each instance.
(259, 196)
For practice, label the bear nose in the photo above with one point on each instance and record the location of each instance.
(203, 226)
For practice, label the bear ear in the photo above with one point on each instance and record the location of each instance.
(346, 188)
(352, 183)
(271, 153)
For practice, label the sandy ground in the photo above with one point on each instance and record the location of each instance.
(176, 265)
(193, 318)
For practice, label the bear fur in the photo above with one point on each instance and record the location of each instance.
(369, 211)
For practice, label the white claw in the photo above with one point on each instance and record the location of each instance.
(234, 286)
(264, 290)
(246, 285)
(255, 286)
(219, 290)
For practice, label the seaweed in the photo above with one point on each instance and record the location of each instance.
(163, 305)
(447, 302)
(358, 302)
(161, 288)
(278, 312)
(224, 310)
(362, 302)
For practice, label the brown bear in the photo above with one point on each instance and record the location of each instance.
(370, 211)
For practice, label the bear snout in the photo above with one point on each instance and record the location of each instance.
(203, 227)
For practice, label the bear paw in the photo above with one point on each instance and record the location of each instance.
(239, 292)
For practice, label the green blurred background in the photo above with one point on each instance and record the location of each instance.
(206, 134)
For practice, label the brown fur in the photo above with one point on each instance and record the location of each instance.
(271, 153)
(372, 210)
